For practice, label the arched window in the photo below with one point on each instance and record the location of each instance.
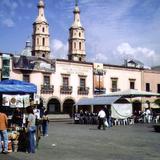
(37, 41)
(43, 29)
(74, 45)
(79, 34)
(80, 45)
(43, 41)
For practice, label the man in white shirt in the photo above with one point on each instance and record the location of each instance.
(101, 118)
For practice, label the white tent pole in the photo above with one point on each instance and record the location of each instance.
(92, 108)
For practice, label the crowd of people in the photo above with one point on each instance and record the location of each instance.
(146, 116)
(103, 118)
(31, 124)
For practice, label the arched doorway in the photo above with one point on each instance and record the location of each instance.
(53, 106)
(68, 107)
(137, 107)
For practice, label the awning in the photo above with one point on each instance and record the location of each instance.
(132, 93)
(17, 87)
(98, 100)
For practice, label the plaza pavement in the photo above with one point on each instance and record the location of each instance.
(84, 142)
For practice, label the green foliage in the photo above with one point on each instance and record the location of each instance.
(157, 102)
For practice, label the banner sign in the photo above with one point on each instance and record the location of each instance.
(15, 101)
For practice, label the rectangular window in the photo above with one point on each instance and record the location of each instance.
(132, 85)
(6, 62)
(5, 68)
(158, 88)
(82, 82)
(148, 87)
(46, 80)
(114, 84)
(43, 41)
(65, 81)
(26, 78)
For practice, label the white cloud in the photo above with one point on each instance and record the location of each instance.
(59, 49)
(8, 10)
(143, 54)
(99, 57)
(8, 22)
(127, 49)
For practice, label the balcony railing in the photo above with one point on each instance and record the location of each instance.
(47, 89)
(66, 90)
(115, 89)
(83, 90)
(99, 90)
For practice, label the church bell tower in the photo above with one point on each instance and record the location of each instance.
(76, 40)
(40, 36)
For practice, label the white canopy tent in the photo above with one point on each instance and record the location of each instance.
(131, 93)
(97, 100)
(118, 110)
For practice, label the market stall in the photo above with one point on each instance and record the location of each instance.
(15, 94)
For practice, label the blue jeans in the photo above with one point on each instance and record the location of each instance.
(32, 145)
(4, 137)
(45, 128)
(109, 121)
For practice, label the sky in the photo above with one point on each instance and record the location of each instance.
(114, 29)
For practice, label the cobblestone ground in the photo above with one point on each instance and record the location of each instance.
(85, 142)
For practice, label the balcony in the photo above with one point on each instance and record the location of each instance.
(66, 89)
(99, 90)
(83, 90)
(115, 89)
(47, 89)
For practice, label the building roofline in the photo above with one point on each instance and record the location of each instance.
(11, 54)
(79, 62)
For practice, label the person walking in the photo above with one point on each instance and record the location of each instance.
(101, 118)
(45, 122)
(31, 130)
(3, 132)
(107, 110)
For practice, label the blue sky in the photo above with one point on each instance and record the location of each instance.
(114, 29)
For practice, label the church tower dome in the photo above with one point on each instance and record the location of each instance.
(40, 36)
(76, 40)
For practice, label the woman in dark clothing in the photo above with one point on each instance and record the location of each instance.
(17, 118)
(45, 122)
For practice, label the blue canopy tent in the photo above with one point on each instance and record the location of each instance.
(17, 87)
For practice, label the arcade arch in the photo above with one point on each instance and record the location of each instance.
(68, 106)
(54, 106)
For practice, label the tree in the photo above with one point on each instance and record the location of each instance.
(157, 102)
